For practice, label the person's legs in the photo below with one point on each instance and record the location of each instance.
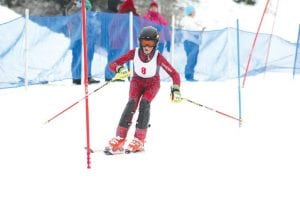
(192, 51)
(126, 118)
(143, 120)
(193, 59)
(76, 61)
(142, 123)
(91, 50)
(135, 93)
(137, 144)
(116, 144)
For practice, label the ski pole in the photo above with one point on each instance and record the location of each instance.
(58, 114)
(211, 109)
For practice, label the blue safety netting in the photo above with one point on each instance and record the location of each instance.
(51, 40)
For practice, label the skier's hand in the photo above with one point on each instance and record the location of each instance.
(175, 94)
(122, 73)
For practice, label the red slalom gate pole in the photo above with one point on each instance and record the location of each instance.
(86, 90)
(211, 109)
(75, 103)
(270, 39)
(254, 42)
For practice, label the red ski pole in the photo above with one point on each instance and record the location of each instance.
(75, 103)
(211, 109)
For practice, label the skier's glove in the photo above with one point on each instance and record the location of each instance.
(175, 94)
(122, 73)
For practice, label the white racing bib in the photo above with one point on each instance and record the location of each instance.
(142, 69)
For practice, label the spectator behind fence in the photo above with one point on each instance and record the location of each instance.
(192, 35)
(128, 6)
(153, 15)
(114, 5)
(118, 36)
(74, 27)
(112, 8)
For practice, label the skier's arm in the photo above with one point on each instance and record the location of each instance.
(162, 61)
(121, 60)
(175, 88)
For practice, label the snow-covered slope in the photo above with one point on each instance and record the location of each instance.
(7, 14)
(217, 14)
(191, 152)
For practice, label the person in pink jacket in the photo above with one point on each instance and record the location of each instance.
(160, 22)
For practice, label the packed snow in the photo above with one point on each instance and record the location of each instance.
(190, 153)
(7, 15)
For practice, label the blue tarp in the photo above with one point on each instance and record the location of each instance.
(50, 40)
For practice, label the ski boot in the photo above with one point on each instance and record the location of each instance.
(115, 146)
(136, 145)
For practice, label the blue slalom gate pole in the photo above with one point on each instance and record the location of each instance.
(239, 72)
(296, 53)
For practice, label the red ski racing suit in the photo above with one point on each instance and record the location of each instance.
(144, 86)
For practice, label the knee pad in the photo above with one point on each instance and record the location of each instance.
(144, 114)
(127, 115)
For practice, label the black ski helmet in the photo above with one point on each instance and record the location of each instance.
(149, 33)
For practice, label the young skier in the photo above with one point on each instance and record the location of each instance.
(144, 85)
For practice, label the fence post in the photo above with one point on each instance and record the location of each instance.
(296, 53)
(26, 49)
(239, 71)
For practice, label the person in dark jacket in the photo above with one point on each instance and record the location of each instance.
(113, 5)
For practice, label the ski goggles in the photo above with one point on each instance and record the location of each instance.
(149, 43)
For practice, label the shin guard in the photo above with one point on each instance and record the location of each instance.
(127, 115)
(144, 115)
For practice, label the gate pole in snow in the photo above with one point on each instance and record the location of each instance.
(84, 42)
(270, 39)
(239, 71)
(296, 53)
(254, 42)
(26, 49)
